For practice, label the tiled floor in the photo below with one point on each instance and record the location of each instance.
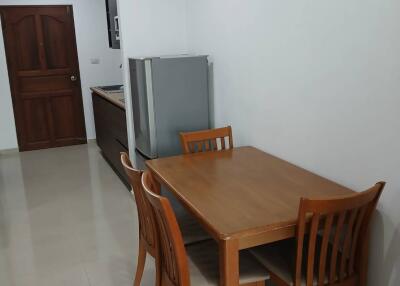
(66, 219)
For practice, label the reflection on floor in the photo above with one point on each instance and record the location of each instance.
(66, 219)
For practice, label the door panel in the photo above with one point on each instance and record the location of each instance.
(63, 110)
(45, 83)
(44, 75)
(54, 40)
(26, 43)
(35, 113)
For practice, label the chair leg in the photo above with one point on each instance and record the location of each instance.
(140, 263)
(158, 270)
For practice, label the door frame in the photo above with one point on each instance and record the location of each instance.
(17, 116)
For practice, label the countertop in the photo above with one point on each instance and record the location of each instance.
(116, 98)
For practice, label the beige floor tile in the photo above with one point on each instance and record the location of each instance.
(118, 271)
(66, 219)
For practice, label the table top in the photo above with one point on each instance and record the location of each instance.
(241, 191)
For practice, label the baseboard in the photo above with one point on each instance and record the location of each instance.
(9, 151)
(91, 141)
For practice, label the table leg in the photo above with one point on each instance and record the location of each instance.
(229, 262)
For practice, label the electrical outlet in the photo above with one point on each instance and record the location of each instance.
(95, 61)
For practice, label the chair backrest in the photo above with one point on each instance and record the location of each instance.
(172, 258)
(146, 220)
(341, 226)
(206, 140)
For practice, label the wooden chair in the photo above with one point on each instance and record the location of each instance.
(147, 233)
(206, 140)
(201, 268)
(330, 246)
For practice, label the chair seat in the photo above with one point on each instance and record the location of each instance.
(204, 265)
(191, 230)
(280, 258)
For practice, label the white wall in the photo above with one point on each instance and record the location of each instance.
(8, 136)
(149, 28)
(92, 42)
(316, 83)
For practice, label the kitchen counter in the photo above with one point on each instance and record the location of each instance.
(117, 98)
(110, 122)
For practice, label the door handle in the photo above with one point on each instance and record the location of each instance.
(73, 78)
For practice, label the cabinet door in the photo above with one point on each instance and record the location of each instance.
(100, 115)
(111, 133)
(114, 157)
(112, 24)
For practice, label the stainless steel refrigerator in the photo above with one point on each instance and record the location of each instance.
(169, 95)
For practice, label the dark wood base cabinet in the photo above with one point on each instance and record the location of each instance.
(111, 133)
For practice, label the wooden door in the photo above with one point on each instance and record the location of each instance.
(44, 75)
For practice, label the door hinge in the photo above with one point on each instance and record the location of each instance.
(68, 10)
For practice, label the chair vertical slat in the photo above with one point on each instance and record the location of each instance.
(191, 147)
(301, 225)
(311, 249)
(355, 239)
(230, 138)
(346, 244)
(167, 259)
(214, 144)
(335, 248)
(207, 145)
(222, 143)
(199, 147)
(324, 249)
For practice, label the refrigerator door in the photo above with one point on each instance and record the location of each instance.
(143, 106)
(181, 102)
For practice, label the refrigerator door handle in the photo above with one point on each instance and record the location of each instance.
(150, 108)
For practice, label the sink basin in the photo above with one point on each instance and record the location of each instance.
(113, 88)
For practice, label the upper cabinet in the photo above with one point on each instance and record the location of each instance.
(113, 24)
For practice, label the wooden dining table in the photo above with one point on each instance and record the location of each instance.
(243, 197)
